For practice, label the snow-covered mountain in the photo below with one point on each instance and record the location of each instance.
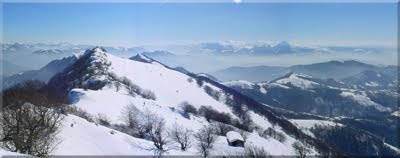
(158, 54)
(339, 70)
(47, 52)
(91, 84)
(303, 93)
(277, 48)
(309, 100)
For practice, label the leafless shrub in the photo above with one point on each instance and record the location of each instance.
(205, 140)
(211, 114)
(188, 108)
(103, 120)
(300, 149)
(29, 129)
(158, 134)
(148, 94)
(213, 93)
(134, 89)
(199, 82)
(74, 110)
(272, 133)
(130, 116)
(181, 136)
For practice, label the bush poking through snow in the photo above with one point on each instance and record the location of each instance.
(270, 132)
(181, 136)
(213, 93)
(103, 120)
(134, 89)
(188, 108)
(74, 110)
(199, 82)
(300, 149)
(210, 114)
(147, 94)
(205, 140)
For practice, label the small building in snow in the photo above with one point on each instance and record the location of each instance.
(234, 139)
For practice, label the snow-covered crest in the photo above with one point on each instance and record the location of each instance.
(92, 84)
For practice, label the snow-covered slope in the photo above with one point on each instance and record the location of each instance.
(297, 80)
(80, 137)
(170, 88)
(239, 83)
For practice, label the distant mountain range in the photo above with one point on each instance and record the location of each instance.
(43, 74)
(103, 84)
(350, 102)
(334, 69)
(150, 86)
(278, 48)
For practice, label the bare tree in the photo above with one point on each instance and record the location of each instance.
(28, 122)
(130, 116)
(103, 120)
(29, 129)
(145, 126)
(158, 134)
(181, 136)
(300, 149)
(206, 138)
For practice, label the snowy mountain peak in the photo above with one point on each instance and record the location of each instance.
(239, 83)
(47, 52)
(104, 84)
(297, 80)
(142, 58)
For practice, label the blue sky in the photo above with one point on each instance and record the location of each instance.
(162, 23)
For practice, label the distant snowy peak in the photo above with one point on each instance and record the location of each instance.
(101, 83)
(259, 48)
(277, 48)
(240, 84)
(297, 80)
(47, 52)
(142, 58)
(13, 47)
(158, 54)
